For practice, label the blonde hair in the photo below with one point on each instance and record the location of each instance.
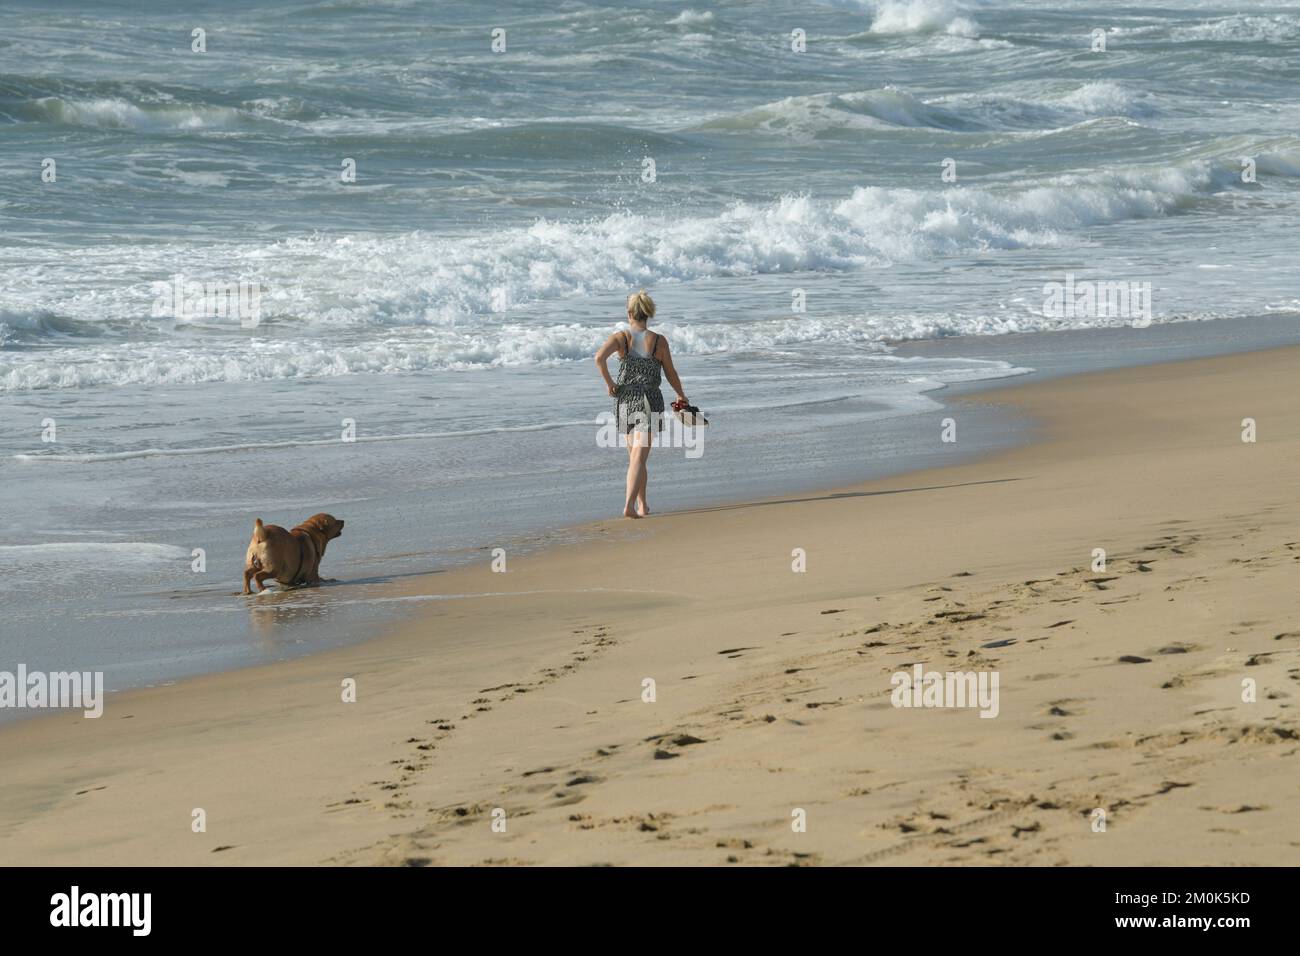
(641, 306)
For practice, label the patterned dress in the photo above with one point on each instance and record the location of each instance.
(637, 400)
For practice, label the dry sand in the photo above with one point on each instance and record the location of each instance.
(773, 687)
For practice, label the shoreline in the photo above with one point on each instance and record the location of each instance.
(200, 739)
(165, 624)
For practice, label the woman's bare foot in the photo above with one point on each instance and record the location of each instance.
(642, 509)
(629, 513)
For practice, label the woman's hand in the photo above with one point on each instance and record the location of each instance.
(613, 389)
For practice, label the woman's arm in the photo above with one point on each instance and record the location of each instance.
(602, 356)
(666, 359)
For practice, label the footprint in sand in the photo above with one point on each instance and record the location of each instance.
(669, 740)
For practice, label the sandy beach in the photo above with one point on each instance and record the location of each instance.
(1120, 690)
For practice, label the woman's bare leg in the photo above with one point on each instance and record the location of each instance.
(638, 449)
(633, 475)
(642, 508)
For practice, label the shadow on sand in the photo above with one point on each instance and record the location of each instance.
(840, 494)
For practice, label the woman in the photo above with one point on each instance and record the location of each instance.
(642, 354)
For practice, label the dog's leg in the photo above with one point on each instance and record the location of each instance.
(260, 577)
(248, 576)
(310, 561)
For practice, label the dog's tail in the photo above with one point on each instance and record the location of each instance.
(259, 530)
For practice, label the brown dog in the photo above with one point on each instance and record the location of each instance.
(291, 557)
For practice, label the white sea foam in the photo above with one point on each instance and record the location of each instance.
(132, 364)
(691, 18)
(417, 301)
(1106, 98)
(894, 17)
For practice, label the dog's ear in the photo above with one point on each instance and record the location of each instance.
(259, 530)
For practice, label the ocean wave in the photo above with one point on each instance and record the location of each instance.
(1234, 28)
(461, 348)
(1105, 98)
(131, 364)
(855, 337)
(819, 114)
(42, 326)
(812, 115)
(459, 137)
(456, 297)
(692, 18)
(1242, 28)
(908, 17)
(144, 107)
(113, 113)
(1047, 215)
